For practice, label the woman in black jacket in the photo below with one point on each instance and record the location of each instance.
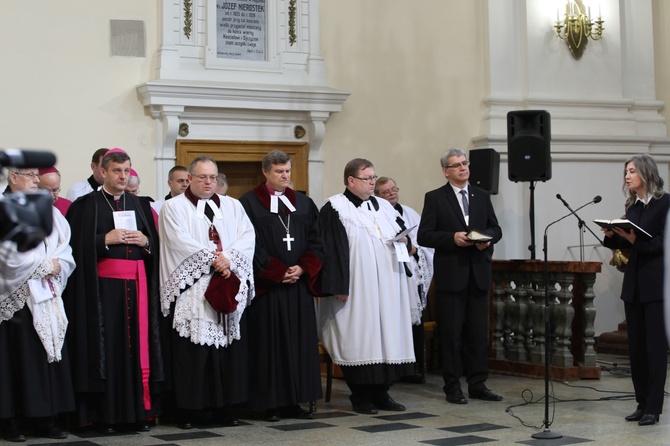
(642, 291)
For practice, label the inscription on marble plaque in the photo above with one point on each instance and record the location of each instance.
(240, 26)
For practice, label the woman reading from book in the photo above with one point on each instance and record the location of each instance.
(642, 291)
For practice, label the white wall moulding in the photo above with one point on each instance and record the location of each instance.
(223, 94)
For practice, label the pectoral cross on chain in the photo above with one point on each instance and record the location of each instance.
(288, 239)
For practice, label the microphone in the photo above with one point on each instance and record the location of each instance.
(596, 199)
(26, 158)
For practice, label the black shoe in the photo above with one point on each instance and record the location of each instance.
(107, 429)
(413, 379)
(484, 394)
(365, 408)
(55, 432)
(142, 426)
(388, 404)
(456, 397)
(296, 412)
(14, 436)
(648, 419)
(635, 416)
(273, 415)
(185, 424)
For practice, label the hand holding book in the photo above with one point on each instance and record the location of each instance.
(478, 237)
(622, 223)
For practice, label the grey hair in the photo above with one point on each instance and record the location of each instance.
(444, 161)
(648, 171)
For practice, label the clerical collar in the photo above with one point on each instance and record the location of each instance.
(93, 183)
(266, 196)
(398, 208)
(357, 201)
(201, 204)
(116, 197)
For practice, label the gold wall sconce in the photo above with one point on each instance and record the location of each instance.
(577, 26)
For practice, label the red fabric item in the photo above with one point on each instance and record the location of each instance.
(134, 270)
(62, 204)
(311, 264)
(273, 273)
(221, 293)
(44, 170)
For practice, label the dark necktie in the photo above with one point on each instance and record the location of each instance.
(466, 205)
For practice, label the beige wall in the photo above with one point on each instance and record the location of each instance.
(60, 90)
(416, 71)
(416, 74)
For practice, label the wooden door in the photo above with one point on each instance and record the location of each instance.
(241, 161)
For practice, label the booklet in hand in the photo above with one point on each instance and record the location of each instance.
(478, 237)
(622, 223)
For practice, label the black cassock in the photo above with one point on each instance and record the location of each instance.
(283, 341)
(103, 334)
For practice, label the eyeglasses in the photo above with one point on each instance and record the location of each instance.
(368, 179)
(55, 191)
(388, 192)
(206, 177)
(465, 163)
(31, 175)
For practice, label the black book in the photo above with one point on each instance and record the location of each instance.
(622, 223)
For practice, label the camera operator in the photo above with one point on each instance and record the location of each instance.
(36, 382)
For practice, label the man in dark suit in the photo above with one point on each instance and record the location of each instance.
(462, 274)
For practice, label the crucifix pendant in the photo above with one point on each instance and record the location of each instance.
(288, 239)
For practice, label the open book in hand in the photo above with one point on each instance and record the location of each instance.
(622, 223)
(478, 237)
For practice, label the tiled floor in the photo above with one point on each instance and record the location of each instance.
(583, 412)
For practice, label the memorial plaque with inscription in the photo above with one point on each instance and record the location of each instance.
(240, 26)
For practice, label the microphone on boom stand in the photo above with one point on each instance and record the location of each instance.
(546, 433)
(581, 224)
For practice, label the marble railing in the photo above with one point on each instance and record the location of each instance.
(517, 324)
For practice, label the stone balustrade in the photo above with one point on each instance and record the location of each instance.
(517, 327)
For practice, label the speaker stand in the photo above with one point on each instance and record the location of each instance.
(532, 220)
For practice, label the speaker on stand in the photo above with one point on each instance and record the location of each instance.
(528, 154)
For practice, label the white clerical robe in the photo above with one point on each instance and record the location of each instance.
(422, 268)
(374, 326)
(186, 258)
(21, 268)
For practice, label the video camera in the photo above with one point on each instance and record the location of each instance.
(25, 218)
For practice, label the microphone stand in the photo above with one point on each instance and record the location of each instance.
(581, 224)
(546, 433)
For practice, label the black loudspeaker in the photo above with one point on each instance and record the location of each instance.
(528, 137)
(485, 169)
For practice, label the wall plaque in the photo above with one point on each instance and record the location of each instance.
(240, 29)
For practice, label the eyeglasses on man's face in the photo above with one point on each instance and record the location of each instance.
(206, 177)
(368, 179)
(54, 191)
(459, 165)
(388, 192)
(31, 175)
